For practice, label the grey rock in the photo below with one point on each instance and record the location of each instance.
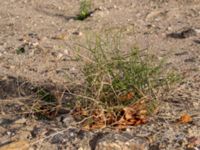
(58, 139)
(154, 147)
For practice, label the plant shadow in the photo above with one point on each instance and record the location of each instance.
(57, 15)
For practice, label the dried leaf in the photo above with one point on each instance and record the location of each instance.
(130, 95)
(142, 112)
(86, 127)
(60, 37)
(126, 97)
(186, 118)
(134, 114)
(128, 113)
(98, 126)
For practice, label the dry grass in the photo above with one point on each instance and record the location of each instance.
(115, 80)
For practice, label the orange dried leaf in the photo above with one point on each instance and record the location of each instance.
(138, 122)
(142, 112)
(86, 127)
(126, 97)
(121, 127)
(98, 126)
(131, 122)
(186, 118)
(121, 121)
(130, 95)
(128, 113)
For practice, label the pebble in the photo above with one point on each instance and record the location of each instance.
(21, 121)
(5, 122)
(119, 145)
(35, 44)
(71, 20)
(115, 7)
(10, 133)
(77, 33)
(60, 55)
(154, 147)
(23, 135)
(12, 67)
(71, 134)
(153, 14)
(68, 120)
(196, 105)
(169, 28)
(66, 52)
(57, 139)
(102, 8)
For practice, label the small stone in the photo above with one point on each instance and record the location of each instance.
(118, 145)
(197, 41)
(57, 139)
(101, 8)
(114, 6)
(5, 122)
(169, 28)
(197, 30)
(68, 120)
(32, 35)
(66, 52)
(60, 55)
(32, 53)
(54, 54)
(192, 59)
(9, 133)
(152, 15)
(71, 20)
(24, 135)
(35, 132)
(12, 67)
(44, 38)
(35, 44)
(78, 33)
(20, 121)
(73, 70)
(71, 134)
(154, 147)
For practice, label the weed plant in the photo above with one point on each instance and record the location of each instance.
(85, 9)
(115, 79)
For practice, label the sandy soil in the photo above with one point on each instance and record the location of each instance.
(49, 33)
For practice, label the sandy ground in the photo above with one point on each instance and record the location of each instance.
(48, 33)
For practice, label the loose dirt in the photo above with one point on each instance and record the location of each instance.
(37, 42)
